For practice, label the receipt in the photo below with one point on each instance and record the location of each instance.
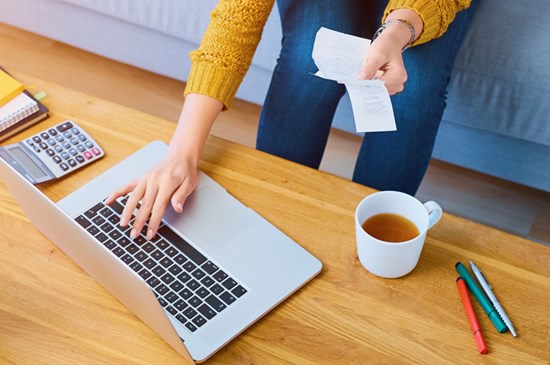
(339, 57)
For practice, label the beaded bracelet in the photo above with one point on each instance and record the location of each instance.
(389, 22)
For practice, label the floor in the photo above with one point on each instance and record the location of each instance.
(511, 207)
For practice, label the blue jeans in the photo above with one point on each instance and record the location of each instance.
(299, 107)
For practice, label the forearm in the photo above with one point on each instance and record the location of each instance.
(436, 15)
(400, 32)
(196, 119)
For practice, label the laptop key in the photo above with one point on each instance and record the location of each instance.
(162, 302)
(158, 271)
(162, 289)
(207, 281)
(191, 327)
(217, 289)
(171, 251)
(117, 207)
(195, 301)
(227, 297)
(171, 297)
(206, 311)
(199, 321)
(148, 247)
(140, 256)
(127, 259)
(153, 282)
(180, 259)
(181, 318)
(84, 223)
(166, 262)
(115, 234)
(238, 291)
(210, 267)
(215, 303)
(136, 266)
(175, 269)
(90, 213)
(140, 240)
(182, 245)
(198, 274)
(202, 292)
(106, 212)
(145, 274)
(93, 230)
(176, 286)
(118, 251)
(229, 283)
(220, 275)
(171, 310)
(109, 244)
(150, 263)
(163, 245)
(180, 305)
(193, 285)
(157, 255)
(185, 293)
(107, 227)
(184, 277)
(98, 220)
(167, 278)
(190, 312)
(123, 241)
(132, 249)
(189, 266)
(101, 237)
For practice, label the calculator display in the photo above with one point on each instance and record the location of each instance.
(27, 163)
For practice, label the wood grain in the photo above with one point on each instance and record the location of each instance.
(54, 313)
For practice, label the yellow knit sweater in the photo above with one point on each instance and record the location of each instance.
(224, 55)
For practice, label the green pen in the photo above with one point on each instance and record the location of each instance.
(481, 298)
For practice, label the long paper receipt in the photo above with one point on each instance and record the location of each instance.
(339, 57)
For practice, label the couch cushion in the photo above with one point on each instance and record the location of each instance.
(185, 20)
(501, 78)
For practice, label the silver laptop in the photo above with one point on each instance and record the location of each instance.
(210, 273)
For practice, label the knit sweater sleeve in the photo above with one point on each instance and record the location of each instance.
(227, 47)
(436, 14)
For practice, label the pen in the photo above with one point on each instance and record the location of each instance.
(474, 324)
(488, 290)
(481, 298)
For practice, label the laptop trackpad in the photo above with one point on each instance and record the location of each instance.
(215, 218)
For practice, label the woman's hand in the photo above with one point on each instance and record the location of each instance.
(176, 176)
(170, 182)
(385, 56)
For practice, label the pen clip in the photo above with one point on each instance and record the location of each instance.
(484, 278)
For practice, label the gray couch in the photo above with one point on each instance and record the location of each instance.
(497, 119)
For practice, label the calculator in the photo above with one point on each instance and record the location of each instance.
(52, 153)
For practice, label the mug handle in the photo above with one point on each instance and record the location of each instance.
(434, 213)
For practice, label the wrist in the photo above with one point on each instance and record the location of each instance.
(403, 25)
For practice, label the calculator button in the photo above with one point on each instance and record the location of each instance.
(88, 155)
(64, 166)
(52, 132)
(75, 131)
(57, 159)
(67, 135)
(30, 142)
(80, 159)
(73, 152)
(96, 152)
(66, 145)
(81, 148)
(44, 145)
(52, 142)
(72, 162)
(44, 135)
(50, 152)
(59, 138)
(82, 137)
(65, 155)
(89, 144)
(74, 141)
(64, 127)
(58, 149)
(36, 139)
(36, 149)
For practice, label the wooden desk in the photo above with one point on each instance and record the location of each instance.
(51, 312)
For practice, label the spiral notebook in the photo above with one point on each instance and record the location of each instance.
(19, 113)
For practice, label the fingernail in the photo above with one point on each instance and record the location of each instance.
(123, 221)
(150, 234)
(133, 233)
(361, 75)
(179, 207)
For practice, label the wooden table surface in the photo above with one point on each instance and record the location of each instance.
(52, 312)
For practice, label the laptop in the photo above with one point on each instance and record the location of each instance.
(210, 273)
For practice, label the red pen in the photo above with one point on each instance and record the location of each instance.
(474, 324)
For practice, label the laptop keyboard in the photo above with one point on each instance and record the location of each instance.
(188, 285)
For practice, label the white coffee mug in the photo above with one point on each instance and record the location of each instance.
(393, 259)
